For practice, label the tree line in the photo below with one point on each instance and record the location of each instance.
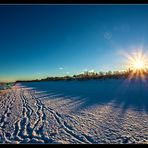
(90, 75)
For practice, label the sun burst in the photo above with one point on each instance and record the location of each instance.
(137, 63)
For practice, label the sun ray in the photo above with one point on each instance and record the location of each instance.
(137, 63)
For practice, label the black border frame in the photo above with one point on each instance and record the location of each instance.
(71, 2)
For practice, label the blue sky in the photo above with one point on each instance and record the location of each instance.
(53, 40)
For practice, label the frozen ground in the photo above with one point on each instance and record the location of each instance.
(97, 111)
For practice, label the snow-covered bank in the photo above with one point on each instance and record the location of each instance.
(112, 111)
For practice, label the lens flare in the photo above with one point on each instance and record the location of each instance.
(137, 63)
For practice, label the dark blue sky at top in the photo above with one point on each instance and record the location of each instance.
(53, 40)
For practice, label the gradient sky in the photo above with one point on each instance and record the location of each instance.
(53, 40)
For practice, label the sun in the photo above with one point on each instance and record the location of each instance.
(137, 63)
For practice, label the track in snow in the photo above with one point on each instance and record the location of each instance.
(26, 117)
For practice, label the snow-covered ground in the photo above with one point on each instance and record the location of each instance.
(93, 111)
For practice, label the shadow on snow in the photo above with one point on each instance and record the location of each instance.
(123, 93)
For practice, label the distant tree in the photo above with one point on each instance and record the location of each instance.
(101, 73)
(109, 73)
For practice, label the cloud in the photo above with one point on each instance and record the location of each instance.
(85, 69)
(60, 68)
(92, 70)
(39, 73)
(67, 72)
